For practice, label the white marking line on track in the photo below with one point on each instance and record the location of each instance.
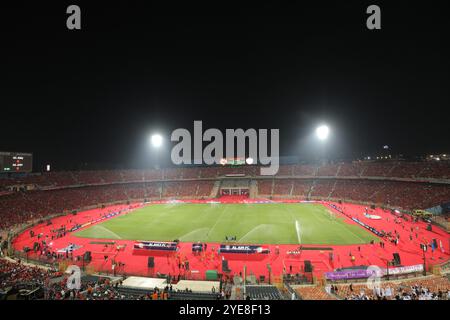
(111, 232)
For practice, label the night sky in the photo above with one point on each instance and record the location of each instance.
(92, 97)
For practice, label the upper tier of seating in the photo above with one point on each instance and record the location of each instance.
(389, 169)
(400, 194)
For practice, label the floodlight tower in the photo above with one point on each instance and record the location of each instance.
(322, 133)
(156, 141)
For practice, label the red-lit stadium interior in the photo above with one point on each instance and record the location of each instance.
(399, 185)
(167, 263)
(386, 186)
(293, 150)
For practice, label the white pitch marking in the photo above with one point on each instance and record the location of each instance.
(193, 232)
(111, 232)
(297, 228)
(216, 223)
(253, 230)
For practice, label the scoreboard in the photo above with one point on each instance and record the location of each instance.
(16, 162)
(232, 161)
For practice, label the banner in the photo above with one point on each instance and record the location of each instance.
(75, 228)
(70, 248)
(366, 273)
(225, 248)
(403, 270)
(154, 245)
(372, 216)
(350, 274)
(378, 233)
(107, 216)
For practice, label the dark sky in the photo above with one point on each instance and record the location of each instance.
(93, 96)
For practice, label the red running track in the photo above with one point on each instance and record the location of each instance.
(368, 254)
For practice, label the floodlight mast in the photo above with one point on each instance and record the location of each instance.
(156, 140)
(322, 132)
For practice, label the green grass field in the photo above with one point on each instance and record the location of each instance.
(276, 223)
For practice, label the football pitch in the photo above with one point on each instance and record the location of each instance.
(271, 223)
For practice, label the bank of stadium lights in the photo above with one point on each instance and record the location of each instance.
(156, 140)
(322, 132)
(384, 157)
(439, 157)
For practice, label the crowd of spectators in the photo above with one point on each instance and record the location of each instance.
(265, 187)
(398, 194)
(433, 288)
(312, 292)
(91, 288)
(17, 275)
(283, 187)
(391, 169)
(14, 274)
(80, 189)
(429, 288)
(23, 206)
(68, 191)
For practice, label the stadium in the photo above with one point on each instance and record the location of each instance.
(242, 157)
(296, 233)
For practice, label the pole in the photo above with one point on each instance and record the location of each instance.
(245, 280)
(387, 269)
(424, 261)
